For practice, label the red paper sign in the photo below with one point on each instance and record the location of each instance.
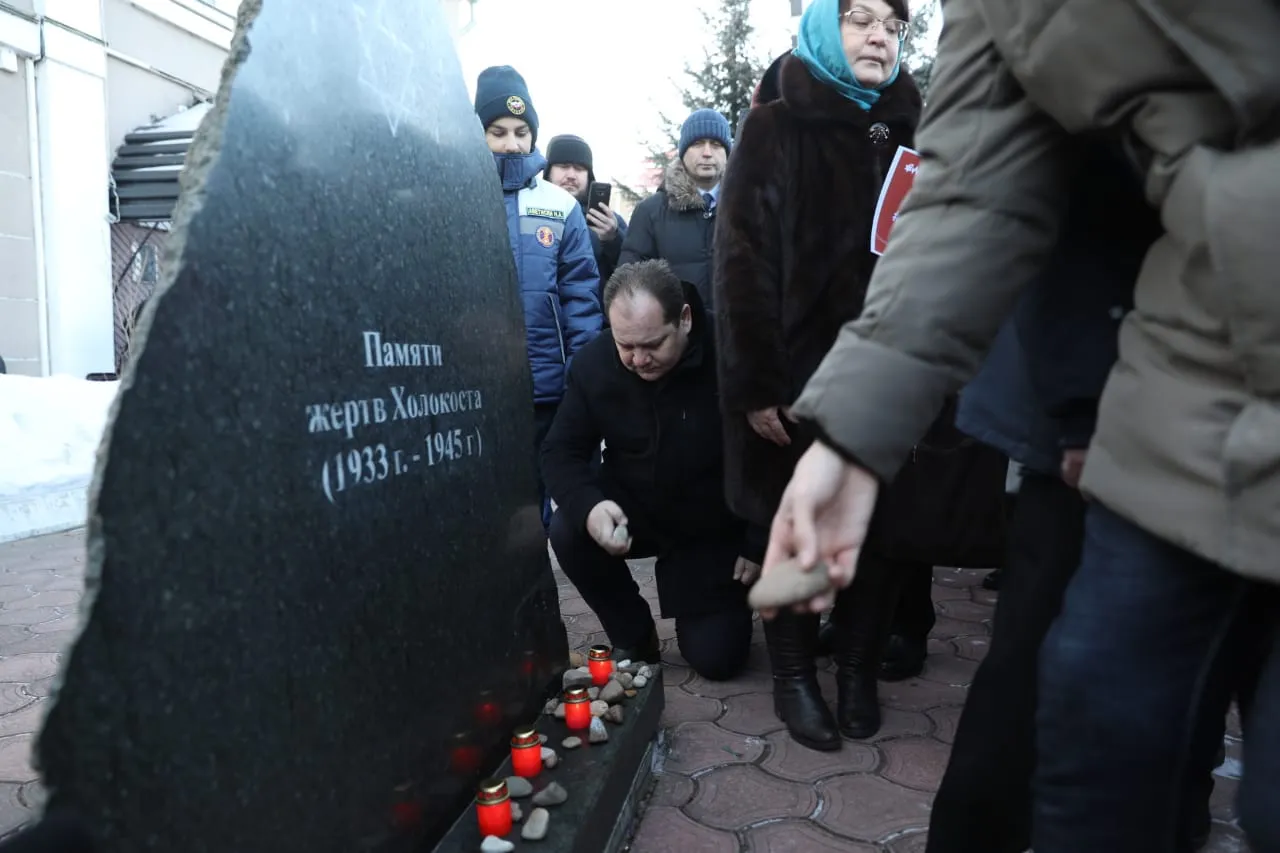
(902, 174)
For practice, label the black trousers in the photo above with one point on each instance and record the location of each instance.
(543, 415)
(715, 642)
(984, 802)
(914, 617)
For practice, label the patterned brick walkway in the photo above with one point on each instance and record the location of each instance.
(41, 581)
(731, 780)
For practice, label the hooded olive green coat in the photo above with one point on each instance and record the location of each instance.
(1188, 439)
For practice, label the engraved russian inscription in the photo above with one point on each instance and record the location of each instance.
(384, 457)
(379, 353)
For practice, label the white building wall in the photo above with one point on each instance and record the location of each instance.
(20, 339)
(71, 112)
(85, 73)
(22, 342)
(78, 75)
(156, 66)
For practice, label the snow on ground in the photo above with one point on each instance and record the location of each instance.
(50, 428)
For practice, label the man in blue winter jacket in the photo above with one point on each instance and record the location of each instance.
(559, 281)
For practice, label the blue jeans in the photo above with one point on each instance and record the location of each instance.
(1151, 641)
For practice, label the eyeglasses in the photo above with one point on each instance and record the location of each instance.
(863, 21)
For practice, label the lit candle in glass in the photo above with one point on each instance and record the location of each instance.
(526, 752)
(493, 807)
(600, 662)
(577, 708)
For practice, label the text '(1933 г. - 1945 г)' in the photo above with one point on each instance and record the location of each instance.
(376, 462)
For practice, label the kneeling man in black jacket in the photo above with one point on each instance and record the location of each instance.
(647, 389)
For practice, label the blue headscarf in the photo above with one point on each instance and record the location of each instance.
(822, 51)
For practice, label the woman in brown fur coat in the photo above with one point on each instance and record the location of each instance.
(792, 266)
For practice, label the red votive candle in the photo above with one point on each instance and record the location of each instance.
(493, 808)
(600, 662)
(577, 709)
(526, 752)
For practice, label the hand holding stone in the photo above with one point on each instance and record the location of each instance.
(607, 525)
(787, 583)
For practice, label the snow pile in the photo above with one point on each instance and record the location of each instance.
(50, 429)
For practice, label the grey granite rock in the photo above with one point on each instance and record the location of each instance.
(576, 678)
(786, 584)
(519, 787)
(311, 508)
(612, 692)
(552, 795)
(597, 733)
(536, 828)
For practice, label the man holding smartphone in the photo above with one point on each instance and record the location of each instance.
(570, 167)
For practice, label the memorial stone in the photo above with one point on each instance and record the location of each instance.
(318, 593)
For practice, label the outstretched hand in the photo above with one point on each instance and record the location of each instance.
(823, 517)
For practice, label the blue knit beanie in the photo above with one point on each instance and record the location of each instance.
(705, 124)
(502, 93)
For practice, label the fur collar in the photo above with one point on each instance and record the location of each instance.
(767, 88)
(682, 191)
(809, 100)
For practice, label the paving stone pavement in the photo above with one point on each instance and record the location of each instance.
(41, 581)
(730, 780)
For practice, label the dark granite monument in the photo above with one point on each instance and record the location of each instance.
(318, 595)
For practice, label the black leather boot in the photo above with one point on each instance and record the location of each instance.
(826, 638)
(863, 615)
(903, 658)
(792, 639)
(857, 704)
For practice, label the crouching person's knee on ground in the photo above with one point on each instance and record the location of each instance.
(646, 388)
(716, 644)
